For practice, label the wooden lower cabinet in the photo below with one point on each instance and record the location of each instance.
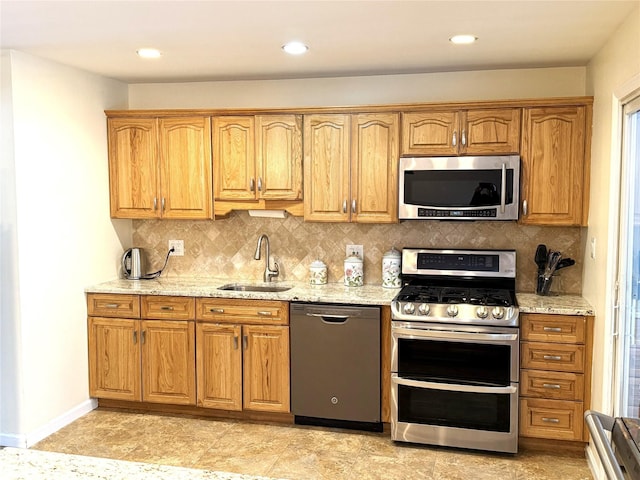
(243, 355)
(555, 374)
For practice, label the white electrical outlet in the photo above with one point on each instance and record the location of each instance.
(357, 249)
(178, 245)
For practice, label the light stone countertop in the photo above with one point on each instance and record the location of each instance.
(330, 293)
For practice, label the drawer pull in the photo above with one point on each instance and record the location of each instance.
(216, 310)
(550, 420)
(552, 357)
(166, 307)
(552, 329)
(112, 305)
(265, 313)
(551, 385)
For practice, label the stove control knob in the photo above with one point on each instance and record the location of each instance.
(498, 313)
(423, 309)
(482, 312)
(409, 308)
(452, 310)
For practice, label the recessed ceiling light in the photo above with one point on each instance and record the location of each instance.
(463, 39)
(149, 53)
(295, 48)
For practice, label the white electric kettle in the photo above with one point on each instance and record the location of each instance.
(132, 264)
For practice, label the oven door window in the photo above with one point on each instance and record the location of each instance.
(454, 362)
(476, 411)
(456, 188)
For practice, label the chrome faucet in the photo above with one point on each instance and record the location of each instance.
(268, 273)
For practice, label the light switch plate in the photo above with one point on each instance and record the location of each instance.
(179, 247)
(357, 249)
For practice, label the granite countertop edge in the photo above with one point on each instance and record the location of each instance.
(303, 292)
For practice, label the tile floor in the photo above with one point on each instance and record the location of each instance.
(294, 452)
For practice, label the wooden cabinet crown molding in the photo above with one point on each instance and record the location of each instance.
(426, 106)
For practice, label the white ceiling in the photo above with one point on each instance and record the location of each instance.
(235, 40)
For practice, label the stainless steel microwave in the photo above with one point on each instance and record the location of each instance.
(459, 188)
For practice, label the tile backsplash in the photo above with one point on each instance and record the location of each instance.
(225, 248)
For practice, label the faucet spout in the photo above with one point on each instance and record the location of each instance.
(268, 272)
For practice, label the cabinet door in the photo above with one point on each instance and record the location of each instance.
(554, 166)
(266, 368)
(133, 168)
(374, 168)
(234, 158)
(114, 359)
(430, 133)
(490, 131)
(168, 362)
(326, 168)
(279, 157)
(219, 366)
(185, 178)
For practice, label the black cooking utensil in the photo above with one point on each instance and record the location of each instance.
(565, 262)
(541, 261)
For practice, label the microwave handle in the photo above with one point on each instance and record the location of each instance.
(503, 188)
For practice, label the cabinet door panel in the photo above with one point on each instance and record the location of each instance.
(279, 157)
(266, 368)
(491, 132)
(185, 149)
(430, 133)
(219, 366)
(554, 163)
(114, 359)
(133, 167)
(374, 168)
(326, 168)
(168, 362)
(234, 158)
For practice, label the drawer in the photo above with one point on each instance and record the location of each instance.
(552, 419)
(113, 305)
(552, 356)
(167, 308)
(552, 385)
(553, 328)
(223, 310)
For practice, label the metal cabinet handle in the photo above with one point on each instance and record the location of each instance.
(143, 337)
(235, 342)
(550, 420)
(166, 307)
(112, 305)
(454, 139)
(155, 203)
(552, 329)
(216, 310)
(525, 208)
(252, 185)
(259, 184)
(162, 204)
(353, 206)
(135, 337)
(554, 386)
(245, 342)
(264, 313)
(552, 357)
(464, 138)
(344, 206)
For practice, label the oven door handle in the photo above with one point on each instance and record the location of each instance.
(454, 387)
(449, 335)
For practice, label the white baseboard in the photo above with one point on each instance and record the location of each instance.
(26, 440)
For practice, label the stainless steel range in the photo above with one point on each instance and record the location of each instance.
(455, 350)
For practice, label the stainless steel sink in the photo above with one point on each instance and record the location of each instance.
(247, 287)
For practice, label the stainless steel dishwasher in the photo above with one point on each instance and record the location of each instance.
(335, 365)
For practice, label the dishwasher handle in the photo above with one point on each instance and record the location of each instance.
(330, 318)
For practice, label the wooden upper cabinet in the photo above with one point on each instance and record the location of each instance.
(350, 167)
(555, 165)
(258, 157)
(326, 167)
(374, 168)
(185, 173)
(133, 167)
(160, 168)
(464, 132)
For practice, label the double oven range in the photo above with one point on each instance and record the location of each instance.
(455, 350)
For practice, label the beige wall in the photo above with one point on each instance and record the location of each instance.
(617, 63)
